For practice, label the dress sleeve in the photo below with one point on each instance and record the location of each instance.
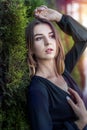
(79, 35)
(39, 110)
(72, 126)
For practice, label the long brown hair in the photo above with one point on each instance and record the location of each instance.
(60, 66)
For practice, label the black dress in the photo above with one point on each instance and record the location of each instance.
(47, 104)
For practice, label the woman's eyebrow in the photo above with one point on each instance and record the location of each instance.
(42, 34)
(37, 35)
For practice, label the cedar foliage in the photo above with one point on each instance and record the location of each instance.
(14, 79)
(13, 55)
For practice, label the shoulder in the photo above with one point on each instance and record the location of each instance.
(37, 93)
(36, 83)
(37, 87)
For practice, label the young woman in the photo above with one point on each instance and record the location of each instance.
(54, 99)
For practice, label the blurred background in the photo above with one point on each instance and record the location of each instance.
(78, 10)
(14, 73)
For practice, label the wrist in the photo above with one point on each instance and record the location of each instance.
(85, 128)
(85, 118)
(83, 121)
(58, 17)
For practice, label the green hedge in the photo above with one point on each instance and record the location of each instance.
(14, 74)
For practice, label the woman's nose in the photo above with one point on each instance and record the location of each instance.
(47, 41)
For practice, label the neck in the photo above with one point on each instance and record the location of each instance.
(46, 68)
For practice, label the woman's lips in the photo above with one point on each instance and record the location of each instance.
(49, 50)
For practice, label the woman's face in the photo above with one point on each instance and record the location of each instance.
(44, 47)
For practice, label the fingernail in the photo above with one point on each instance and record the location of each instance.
(67, 97)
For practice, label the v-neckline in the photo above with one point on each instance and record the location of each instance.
(52, 84)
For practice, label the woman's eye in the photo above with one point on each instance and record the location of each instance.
(38, 38)
(52, 36)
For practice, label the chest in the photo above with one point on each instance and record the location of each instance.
(58, 106)
(60, 83)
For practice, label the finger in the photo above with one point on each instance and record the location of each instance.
(42, 11)
(41, 17)
(39, 9)
(71, 103)
(44, 6)
(75, 95)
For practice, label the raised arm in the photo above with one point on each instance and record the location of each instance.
(69, 26)
(79, 35)
(73, 28)
(65, 22)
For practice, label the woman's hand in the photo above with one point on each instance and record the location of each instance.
(79, 108)
(43, 12)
